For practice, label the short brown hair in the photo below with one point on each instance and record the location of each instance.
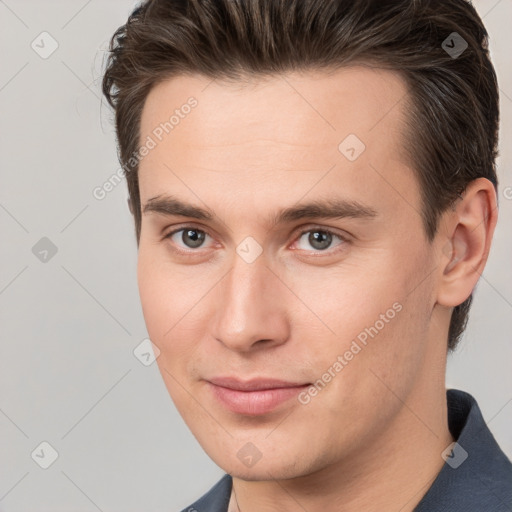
(453, 112)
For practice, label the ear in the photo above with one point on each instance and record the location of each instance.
(466, 241)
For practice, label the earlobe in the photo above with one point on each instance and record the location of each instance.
(472, 223)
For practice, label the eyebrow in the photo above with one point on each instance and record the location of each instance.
(335, 208)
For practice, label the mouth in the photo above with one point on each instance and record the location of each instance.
(254, 397)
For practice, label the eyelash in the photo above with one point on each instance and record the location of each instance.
(343, 239)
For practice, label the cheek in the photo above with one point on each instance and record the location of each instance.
(173, 303)
(163, 297)
(346, 301)
(166, 301)
(154, 300)
(373, 329)
(358, 382)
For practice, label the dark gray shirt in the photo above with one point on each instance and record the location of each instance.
(476, 477)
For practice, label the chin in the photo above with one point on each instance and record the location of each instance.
(264, 473)
(278, 468)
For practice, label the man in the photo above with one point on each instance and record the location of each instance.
(314, 193)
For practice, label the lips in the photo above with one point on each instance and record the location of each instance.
(253, 397)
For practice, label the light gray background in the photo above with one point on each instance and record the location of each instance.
(69, 326)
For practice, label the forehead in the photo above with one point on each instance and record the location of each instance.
(278, 135)
(314, 106)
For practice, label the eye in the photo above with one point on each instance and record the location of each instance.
(187, 239)
(319, 239)
(191, 237)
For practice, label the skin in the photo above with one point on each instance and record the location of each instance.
(372, 438)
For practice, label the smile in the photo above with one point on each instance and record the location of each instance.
(255, 397)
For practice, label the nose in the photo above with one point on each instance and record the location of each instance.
(250, 307)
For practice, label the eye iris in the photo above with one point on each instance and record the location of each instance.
(195, 236)
(320, 237)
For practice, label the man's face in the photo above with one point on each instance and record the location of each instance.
(343, 302)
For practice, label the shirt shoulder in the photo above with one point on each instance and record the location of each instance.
(477, 475)
(216, 499)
